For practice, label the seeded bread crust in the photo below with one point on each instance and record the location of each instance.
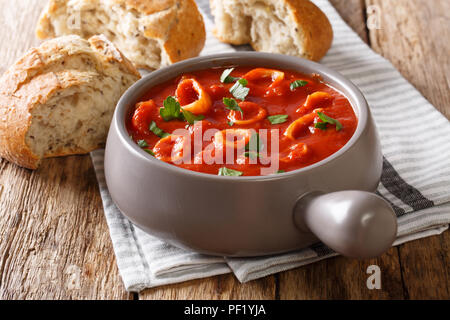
(43, 74)
(240, 22)
(151, 33)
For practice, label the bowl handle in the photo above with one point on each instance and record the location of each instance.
(356, 224)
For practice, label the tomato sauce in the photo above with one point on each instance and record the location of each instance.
(312, 120)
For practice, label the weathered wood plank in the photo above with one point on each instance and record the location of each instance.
(224, 287)
(425, 266)
(55, 243)
(414, 37)
(353, 12)
(54, 239)
(343, 278)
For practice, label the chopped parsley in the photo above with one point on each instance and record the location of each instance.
(232, 104)
(142, 143)
(192, 118)
(277, 119)
(252, 154)
(297, 84)
(239, 89)
(157, 131)
(229, 172)
(226, 78)
(150, 152)
(327, 120)
(171, 109)
(254, 145)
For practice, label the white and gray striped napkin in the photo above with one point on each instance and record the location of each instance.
(415, 139)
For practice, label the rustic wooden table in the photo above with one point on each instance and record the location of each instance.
(54, 241)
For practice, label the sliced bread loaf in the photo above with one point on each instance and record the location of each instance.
(292, 27)
(59, 98)
(151, 33)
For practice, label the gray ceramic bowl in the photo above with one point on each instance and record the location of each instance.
(330, 201)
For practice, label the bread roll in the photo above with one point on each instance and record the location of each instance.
(59, 98)
(151, 33)
(292, 27)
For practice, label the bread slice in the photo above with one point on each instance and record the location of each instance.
(151, 33)
(291, 27)
(59, 98)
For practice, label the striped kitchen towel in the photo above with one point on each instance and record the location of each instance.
(415, 139)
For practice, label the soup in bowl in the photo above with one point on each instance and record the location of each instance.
(242, 121)
(249, 154)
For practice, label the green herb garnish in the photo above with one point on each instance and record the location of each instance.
(229, 172)
(277, 119)
(171, 109)
(232, 104)
(297, 84)
(226, 78)
(159, 132)
(239, 90)
(192, 118)
(320, 125)
(281, 171)
(252, 154)
(230, 123)
(254, 144)
(142, 143)
(325, 120)
(150, 152)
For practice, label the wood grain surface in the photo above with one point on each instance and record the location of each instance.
(54, 241)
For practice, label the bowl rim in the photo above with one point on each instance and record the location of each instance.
(351, 92)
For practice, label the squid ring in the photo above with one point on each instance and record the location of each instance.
(299, 125)
(262, 73)
(317, 99)
(296, 153)
(172, 148)
(232, 138)
(201, 105)
(247, 106)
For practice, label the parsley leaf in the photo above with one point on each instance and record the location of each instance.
(192, 118)
(297, 84)
(226, 78)
(229, 172)
(159, 132)
(171, 109)
(142, 143)
(150, 152)
(252, 154)
(254, 142)
(320, 125)
(281, 171)
(277, 119)
(230, 123)
(239, 90)
(325, 120)
(232, 104)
